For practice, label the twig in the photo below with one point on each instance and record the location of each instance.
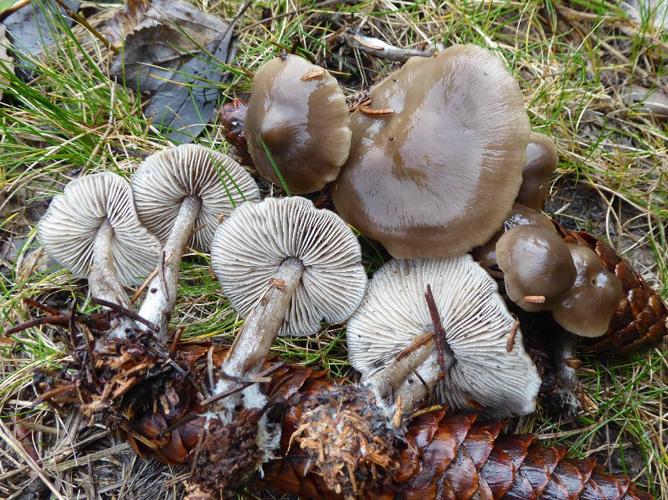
(83, 22)
(13, 8)
(415, 344)
(443, 349)
(60, 320)
(124, 310)
(244, 385)
(379, 48)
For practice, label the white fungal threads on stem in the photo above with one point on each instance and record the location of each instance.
(162, 290)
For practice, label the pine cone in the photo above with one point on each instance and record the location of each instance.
(436, 455)
(640, 321)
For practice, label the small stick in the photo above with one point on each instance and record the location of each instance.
(379, 48)
(417, 343)
(38, 305)
(60, 320)
(124, 310)
(442, 346)
(82, 21)
(510, 343)
(246, 384)
(535, 299)
(367, 110)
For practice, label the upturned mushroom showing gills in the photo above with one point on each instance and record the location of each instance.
(588, 307)
(488, 366)
(437, 155)
(542, 161)
(285, 266)
(92, 229)
(297, 125)
(181, 194)
(537, 266)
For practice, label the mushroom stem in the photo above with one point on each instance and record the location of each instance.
(103, 281)
(387, 381)
(251, 347)
(161, 296)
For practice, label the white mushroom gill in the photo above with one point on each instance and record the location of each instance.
(284, 265)
(181, 195)
(491, 368)
(93, 230)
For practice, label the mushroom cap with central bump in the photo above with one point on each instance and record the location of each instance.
(69, 228)
(491, 367)
(436, 173)
(250, 247)
(166, 178)
(537, 266)
(587, 308)
(297, 113)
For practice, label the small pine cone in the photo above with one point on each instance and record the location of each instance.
(640, 321)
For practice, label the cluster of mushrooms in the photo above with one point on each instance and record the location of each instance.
(433, 166)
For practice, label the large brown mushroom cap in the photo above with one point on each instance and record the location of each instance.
(438, 174)
(537, 266)
(299, 112)
(587, 309)
(542, 161)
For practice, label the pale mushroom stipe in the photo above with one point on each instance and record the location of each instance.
(437, 155)
(490, 369)
(181, 194)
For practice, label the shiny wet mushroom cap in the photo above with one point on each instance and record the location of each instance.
(437, 155)
(263, 241)
(491, 367)
(521, 215)
(297, 125)
(537, 266)
(587, 308)
(92, 229)
(542, 161)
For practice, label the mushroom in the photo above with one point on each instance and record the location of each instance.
(587, 308)
(537, 266)
(92, 229)
(181, 194)
(297, 125)
(542, 161)
(284, 266)
(485, 254)
(436, 158)
(489, 368)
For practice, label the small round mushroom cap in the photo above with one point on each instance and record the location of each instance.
(166, 178)
(250, 246)
(491, 367)
(520, 216)
(299, 112)
(537, 266)
(587, 309)
(542, 161)
(436, 158)
(69, 228)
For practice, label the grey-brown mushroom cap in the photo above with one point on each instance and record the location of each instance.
(298, 114)
(434, 172)
(69, 228)
(587, 308)
(542, 160)
(537, 266)
(250, 246)
(477, 323)
(166, 178)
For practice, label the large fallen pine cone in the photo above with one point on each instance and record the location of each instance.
(640, 320)
(336, 443)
